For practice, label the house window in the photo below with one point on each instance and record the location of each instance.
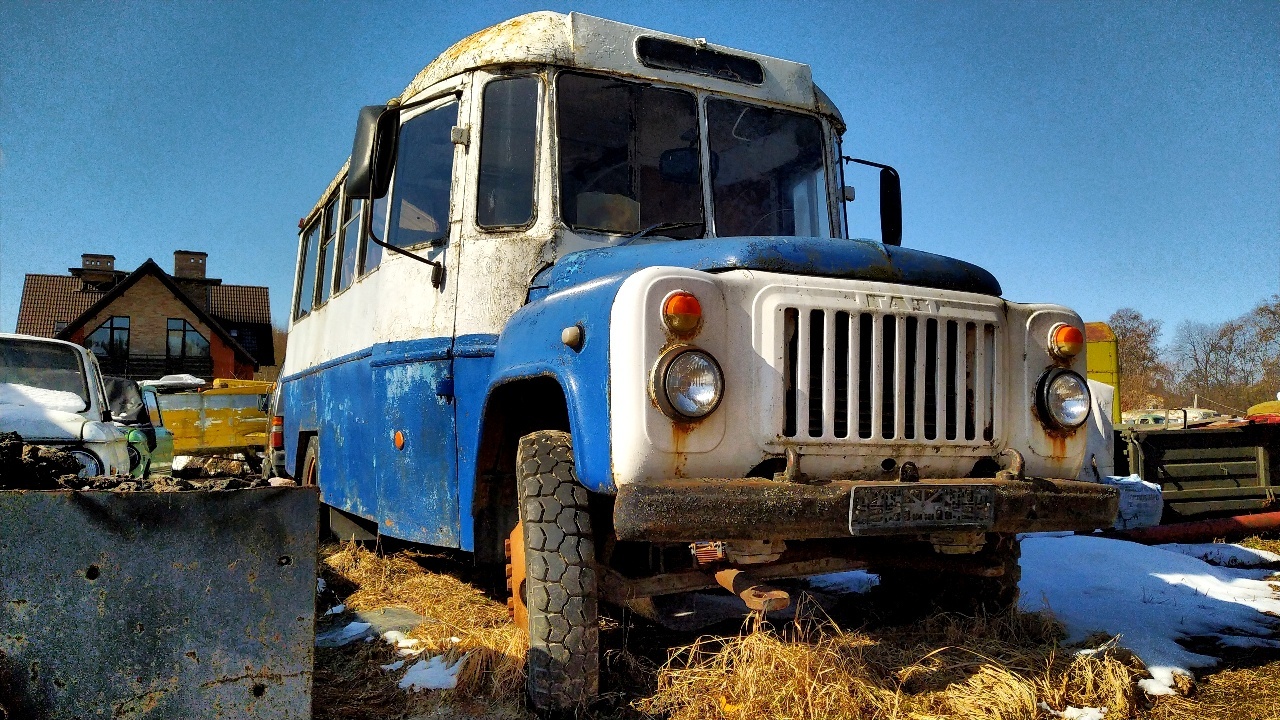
(185, 341)
(111, 338)
(59, 327)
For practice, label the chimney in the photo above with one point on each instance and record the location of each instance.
(96, 268)
(189, 264)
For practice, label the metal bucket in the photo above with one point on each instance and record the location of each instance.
(157, 605)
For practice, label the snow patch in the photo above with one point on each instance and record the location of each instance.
(341, 636)
(393, 666)
(1075, 713)
(17, 394)
(1149, 596)
(336, 609)
(852, 581)
(1232, 556)
(434, 674)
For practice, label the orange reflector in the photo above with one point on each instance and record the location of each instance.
(682, 312)
(1066, 341)
(399, 440)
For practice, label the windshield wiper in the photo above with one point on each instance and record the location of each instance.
(657, 227)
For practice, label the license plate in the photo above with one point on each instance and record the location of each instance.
(887, 508)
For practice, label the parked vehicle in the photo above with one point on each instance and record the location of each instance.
(273, 464)
(137, 408)
(51, 393)
(228, 418)
(584, 302)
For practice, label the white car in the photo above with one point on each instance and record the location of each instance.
(51, 393)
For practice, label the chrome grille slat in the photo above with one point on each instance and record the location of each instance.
(888, 377)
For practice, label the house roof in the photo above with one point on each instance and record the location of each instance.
(151, 268)
(50, 299)
(240, 303)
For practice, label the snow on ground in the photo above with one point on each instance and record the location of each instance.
(433, 674)
(1149, 596)
(852, 581)
(1233, 556)
(340, 636)
(16, 394)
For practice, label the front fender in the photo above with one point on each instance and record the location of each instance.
(530, 346)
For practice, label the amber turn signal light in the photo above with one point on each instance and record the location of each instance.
(1065, 341)
(681, 312)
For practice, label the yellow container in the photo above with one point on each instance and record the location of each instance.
(1102, 361)
(230, 417)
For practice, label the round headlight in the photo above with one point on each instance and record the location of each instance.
(90, 466)
(691, 383)
(1064, 399)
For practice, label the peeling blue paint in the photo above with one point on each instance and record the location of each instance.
(837, 258)
(530, 347)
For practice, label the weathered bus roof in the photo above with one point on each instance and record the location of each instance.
(588, 42)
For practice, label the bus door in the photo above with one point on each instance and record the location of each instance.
(416, 462)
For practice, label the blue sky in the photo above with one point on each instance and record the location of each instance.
(1095, 155)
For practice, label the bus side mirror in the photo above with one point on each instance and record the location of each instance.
(373, 153)
(890, 207)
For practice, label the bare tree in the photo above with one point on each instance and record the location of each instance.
(1142, 372)
(1234, 364)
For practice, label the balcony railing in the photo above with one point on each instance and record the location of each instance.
(146, 367)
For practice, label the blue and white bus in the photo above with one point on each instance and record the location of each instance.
(584, 303)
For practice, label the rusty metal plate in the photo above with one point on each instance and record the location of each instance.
(878, 509)
(157, 605)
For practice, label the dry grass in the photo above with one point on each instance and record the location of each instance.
(997, 668)
(990, 668)
(1269, 542)
(461, 620)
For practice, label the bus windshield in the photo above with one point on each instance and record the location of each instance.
(631, 160)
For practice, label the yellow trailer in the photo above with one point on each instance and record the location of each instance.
(229, 417)
(1102, 360)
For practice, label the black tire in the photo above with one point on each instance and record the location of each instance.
(918, 592)
(563, 666)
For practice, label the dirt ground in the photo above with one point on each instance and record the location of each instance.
(39, 467)
(842, 664)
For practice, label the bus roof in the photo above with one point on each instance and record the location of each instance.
(588, 42)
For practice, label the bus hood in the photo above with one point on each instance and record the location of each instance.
(40, 424)
(822, 257)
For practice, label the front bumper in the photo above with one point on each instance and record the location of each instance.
(758, 509)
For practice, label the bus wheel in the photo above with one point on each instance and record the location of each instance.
(563, 665)
(311, 462)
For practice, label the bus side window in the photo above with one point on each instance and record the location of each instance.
(324, 278)
(348, 244)
(424, 174)
(508, 152)
(307, 262)
(373, 252)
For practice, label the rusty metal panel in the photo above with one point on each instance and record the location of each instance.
(157, 605)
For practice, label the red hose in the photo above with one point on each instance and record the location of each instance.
(1203, 530)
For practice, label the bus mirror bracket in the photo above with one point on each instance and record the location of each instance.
(373, 152)
(890, 201)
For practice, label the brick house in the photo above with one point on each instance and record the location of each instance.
(148, 323)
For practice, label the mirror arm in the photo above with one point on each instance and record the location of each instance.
(437, 268)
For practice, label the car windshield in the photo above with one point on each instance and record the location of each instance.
(631, 161)
(42, 373)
